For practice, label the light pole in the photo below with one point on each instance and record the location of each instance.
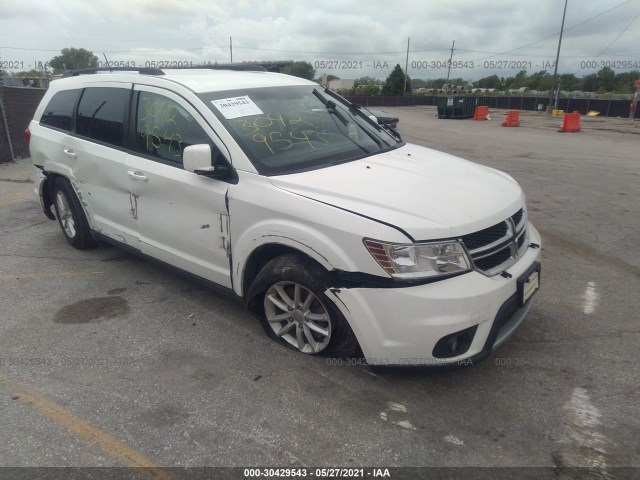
(450, 58)
(555, 69)
(406, 67)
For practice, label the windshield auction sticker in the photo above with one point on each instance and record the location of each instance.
(237, 107)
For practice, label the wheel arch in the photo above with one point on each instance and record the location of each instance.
(262, 254)
(48, 198)
(301, 271)
(46, 194)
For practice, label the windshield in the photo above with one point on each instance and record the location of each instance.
(290, 129)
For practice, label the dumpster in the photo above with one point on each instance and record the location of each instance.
(457, 107)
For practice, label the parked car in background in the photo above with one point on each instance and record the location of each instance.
(385, 118)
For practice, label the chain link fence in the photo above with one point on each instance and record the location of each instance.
(17, 106)
(606, 107)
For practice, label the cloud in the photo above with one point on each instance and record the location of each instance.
(360, 32)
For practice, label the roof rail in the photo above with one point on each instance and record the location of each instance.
(87, 71)
(223, 66)
(157, 71)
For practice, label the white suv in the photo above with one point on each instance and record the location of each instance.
(340, 236)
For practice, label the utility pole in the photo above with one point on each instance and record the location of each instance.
(231, 48)
(450, 58)
(406, 67)
(555, 70)
(45, 75)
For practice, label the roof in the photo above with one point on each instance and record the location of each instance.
(198, 80)
(217, 80)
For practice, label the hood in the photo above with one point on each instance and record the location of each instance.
(428, 194)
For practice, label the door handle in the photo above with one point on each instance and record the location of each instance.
(70, 153)
(138, 176)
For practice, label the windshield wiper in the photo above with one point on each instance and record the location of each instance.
(356, 110)
(330, 106)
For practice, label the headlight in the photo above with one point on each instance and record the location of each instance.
(419, 260)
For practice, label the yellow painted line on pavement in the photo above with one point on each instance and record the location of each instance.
(112, 446)
(20, 276)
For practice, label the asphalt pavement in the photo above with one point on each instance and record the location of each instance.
(109, 360)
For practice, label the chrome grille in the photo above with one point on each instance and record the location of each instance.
(496, 248)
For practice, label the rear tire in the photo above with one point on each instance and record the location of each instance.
(70, 214)
(294, 310)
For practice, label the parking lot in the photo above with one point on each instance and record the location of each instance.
(110, 360)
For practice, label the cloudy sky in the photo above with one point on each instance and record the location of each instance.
(352, 38)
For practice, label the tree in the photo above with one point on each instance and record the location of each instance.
(606, 80)
(489, 82)
(520, 80)
(29, 73)
(300, 69)
(436, 83)
(541, 80)
(394, 85)
(367, 81)
(515, 82)
(624, 81)
(590, 83)
(73, 59)
(366, 90)
(570, 83)
(366, 86)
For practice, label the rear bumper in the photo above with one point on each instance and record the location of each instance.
(401, 326)
(39, 182)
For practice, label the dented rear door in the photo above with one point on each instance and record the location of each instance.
(98, 161)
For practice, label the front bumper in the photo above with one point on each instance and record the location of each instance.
(401, 326)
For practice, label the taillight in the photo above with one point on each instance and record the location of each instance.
(27, 136)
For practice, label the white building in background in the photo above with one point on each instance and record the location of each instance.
(341, 84)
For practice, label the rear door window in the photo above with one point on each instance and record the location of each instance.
(101, 114)
(59, 110)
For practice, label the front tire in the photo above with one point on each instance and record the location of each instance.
(289, 294)
(70, 214)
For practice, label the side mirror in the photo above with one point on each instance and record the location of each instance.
(373, 118)
(197, 159)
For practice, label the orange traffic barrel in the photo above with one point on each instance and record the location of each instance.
(570, 123)
(481, 112)
(513, 119)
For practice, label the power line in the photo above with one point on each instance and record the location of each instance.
(153, 51)
(491, 54)
(532, 55)
(557, 33)
(121, 51)
(619, 35)
(341, 53)
(242, 48)
(614, 40)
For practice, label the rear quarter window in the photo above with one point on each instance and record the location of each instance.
(59, 111)
(101, 114)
